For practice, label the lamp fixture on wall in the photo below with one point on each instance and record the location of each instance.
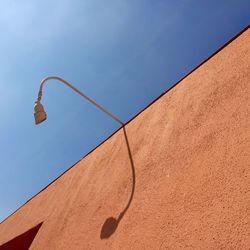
(39, 112)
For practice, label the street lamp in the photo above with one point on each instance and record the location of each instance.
(111, 224)
(40, 114)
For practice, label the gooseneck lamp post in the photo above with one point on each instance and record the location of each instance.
(40, 114)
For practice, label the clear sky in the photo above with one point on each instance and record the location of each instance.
(121, 53)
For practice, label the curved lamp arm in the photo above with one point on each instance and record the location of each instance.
(76, 90)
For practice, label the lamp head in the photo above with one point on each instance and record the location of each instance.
(39, 113)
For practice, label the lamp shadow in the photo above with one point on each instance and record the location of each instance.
(111, 223)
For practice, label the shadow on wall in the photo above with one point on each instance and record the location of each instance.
(111, 223)
(23, 241)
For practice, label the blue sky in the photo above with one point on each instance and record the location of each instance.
(121, 53)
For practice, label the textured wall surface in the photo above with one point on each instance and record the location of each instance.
(178, 177)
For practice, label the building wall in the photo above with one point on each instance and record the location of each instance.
(177, 177)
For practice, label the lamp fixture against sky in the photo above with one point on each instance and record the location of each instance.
(40, 114)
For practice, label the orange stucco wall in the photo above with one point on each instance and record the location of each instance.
(179, 178)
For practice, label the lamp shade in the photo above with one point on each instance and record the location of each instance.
(39, 113)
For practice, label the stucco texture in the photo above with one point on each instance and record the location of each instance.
(177, 177)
